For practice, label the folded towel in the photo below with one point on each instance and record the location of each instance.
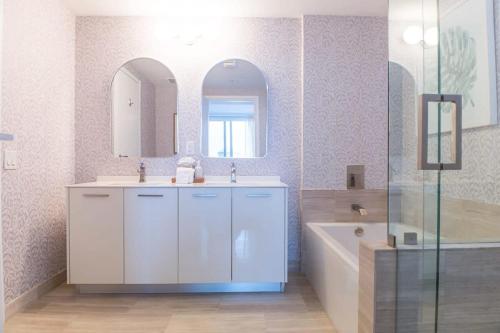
(184, 175)
(186, 162)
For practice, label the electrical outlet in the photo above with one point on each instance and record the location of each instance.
(10, 160)
(355, 177)
(190, 148)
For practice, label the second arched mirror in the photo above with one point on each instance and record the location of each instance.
(234, 117)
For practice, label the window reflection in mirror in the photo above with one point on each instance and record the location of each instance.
(144, 107)
(234, 111)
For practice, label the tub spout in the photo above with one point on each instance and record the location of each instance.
(358, 208)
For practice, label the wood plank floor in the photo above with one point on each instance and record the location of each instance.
(65, 311)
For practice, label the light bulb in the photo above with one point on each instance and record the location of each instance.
(413, 35)
(431, 37)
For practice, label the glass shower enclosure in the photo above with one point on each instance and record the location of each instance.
(444, 164)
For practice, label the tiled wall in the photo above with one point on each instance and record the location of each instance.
(103, 44)
(327, 206)
(38, 107)
(345, 100)
(397, 289)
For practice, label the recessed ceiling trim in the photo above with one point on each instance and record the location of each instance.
(227, 8)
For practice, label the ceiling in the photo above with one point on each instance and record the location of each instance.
(223, 77)
(150, 70)
(225, 8)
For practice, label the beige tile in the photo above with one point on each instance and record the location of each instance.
(65, 311)
(335, 205)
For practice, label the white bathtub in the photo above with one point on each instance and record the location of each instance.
(331, 266)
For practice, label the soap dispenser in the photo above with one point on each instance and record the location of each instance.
(198, 171)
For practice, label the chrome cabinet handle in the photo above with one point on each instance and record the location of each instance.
(456, 132)
(150, 195)
(6, 137)
(259, 195)
(198, 195)
(93, 195)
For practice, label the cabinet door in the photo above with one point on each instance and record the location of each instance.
(96, 236)
(259, 235)
(204, 235)
(151, 236)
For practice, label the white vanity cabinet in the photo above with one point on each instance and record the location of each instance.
(204, 235)
(150, 235)
(258, 235)
(95, 236)
(218, 236)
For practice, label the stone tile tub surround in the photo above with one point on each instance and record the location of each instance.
(330, 206)
(469, 276)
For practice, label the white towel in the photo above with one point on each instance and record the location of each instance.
(186, 162)
(184, 175)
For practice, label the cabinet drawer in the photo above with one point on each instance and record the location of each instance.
(204, 235)
(151, 230)
(258, 235)
(95, 236)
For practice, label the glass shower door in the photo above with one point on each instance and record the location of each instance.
(444, 139)
(415, 104)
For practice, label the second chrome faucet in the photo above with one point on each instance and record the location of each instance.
(142, 172)
(233, 172)
(358, 208)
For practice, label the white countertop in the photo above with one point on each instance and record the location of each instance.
(163, 181)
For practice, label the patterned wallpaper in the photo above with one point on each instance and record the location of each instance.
(103, 44)
(345, 100)
(38, 107)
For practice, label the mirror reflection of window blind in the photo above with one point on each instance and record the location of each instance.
(231, 127)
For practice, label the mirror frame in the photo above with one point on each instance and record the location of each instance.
(267, 113)
(176, 118)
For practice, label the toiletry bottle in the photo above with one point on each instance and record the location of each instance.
(198, 171)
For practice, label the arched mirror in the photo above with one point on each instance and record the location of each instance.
(234, 117)
(144, 110)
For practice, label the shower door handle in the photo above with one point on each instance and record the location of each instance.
(456, 132)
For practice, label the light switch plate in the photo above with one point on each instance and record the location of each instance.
(10, 160)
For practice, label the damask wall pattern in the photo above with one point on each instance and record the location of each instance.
(38, 108)
(345, 100)
(273, 45)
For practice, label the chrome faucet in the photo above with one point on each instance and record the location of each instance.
(142, 172)
(233, 173)
(359, 209)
